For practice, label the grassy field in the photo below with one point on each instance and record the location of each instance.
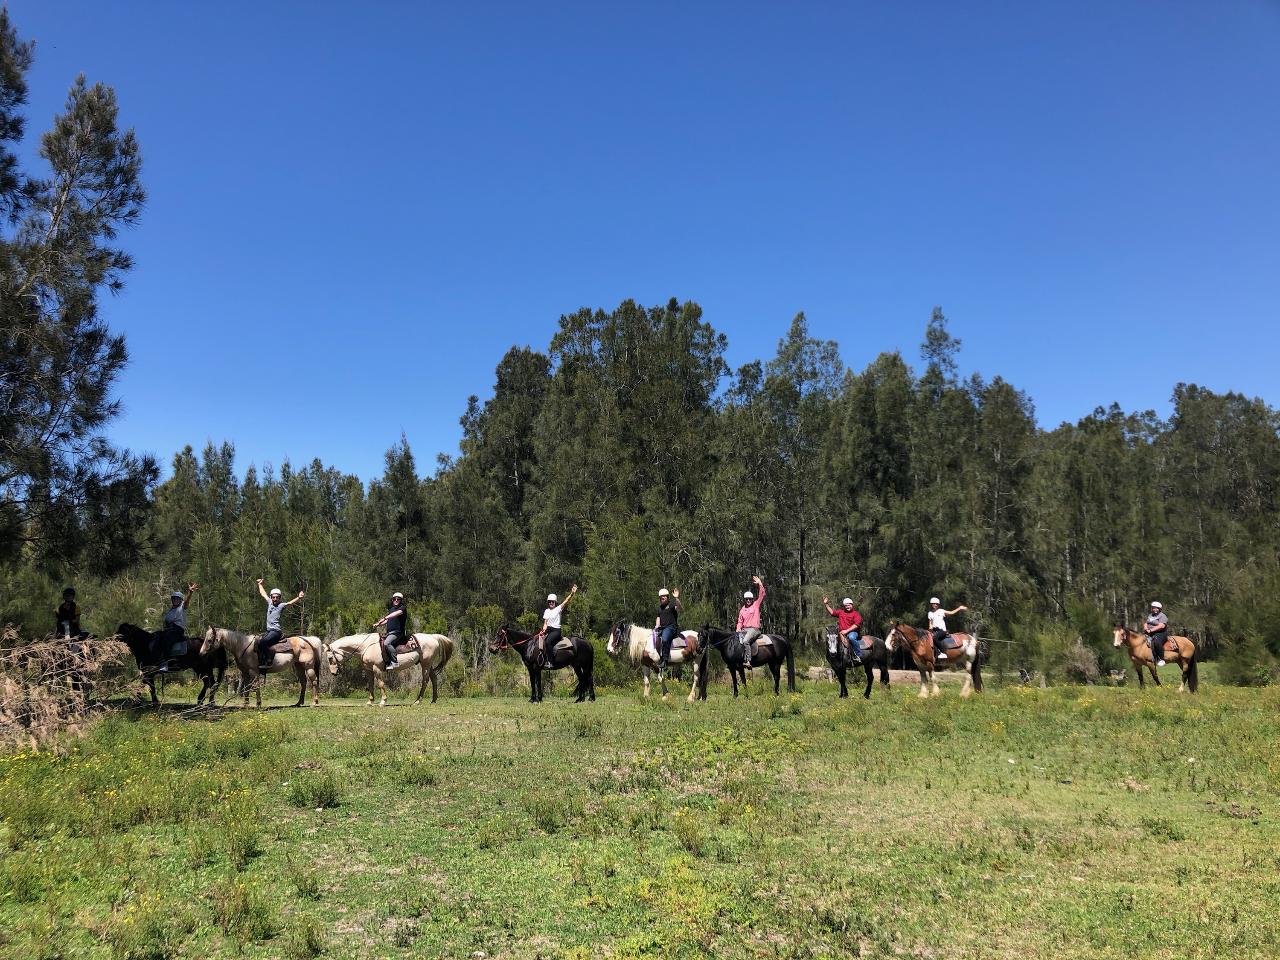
(1068, 822)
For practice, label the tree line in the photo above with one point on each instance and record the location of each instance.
(625, 456)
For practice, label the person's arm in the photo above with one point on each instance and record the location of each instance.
(191, 588)
(960, 609)
(392, 615)
(565, 601)
(760, 593)
(857, 620)
(826, 602)
(675, 600)
(301, 594)
(262, 592)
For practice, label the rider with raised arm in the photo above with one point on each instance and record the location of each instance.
(174, 630)
(667, 624)
(274, 633)
(938, 625)
(397, 621)
(848, 624)
(66, 619)
(748, 625)
(546, 639)
(1156, 628)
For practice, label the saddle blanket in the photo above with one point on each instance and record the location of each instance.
(563, 645)
(178, 649)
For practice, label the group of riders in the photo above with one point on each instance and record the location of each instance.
(395, 628)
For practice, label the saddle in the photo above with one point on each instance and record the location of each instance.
(951, 641)
(406, 643)
(563, 645)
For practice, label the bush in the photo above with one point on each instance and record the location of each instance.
(313, 788)
(1248, 663)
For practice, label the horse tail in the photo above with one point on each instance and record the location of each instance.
(446, 654)
(1193, 672)
(977, 665)
(884, 663)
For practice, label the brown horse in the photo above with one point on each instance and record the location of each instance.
(962, 654)
(1179, 650)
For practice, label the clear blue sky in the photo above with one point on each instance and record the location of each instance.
(1091, 190)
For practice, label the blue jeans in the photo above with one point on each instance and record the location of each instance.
(852, 637)
(664, 642)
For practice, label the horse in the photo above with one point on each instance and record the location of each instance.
(919, 642)
(874, 654)
(431, 650)
(573, 652)
(771, 651)
(303, 654)
(1179, 650)
(209, 667)
(642, 649)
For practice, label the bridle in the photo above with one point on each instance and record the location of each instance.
(504, 644)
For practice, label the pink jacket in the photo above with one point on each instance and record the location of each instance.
(749, 615)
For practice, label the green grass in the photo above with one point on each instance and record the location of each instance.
(1068, 822)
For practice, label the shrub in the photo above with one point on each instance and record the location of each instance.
(303, 941)
(313, 788)
(1248, 663)
(689, 832)
(242, 913)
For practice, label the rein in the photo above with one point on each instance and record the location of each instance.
(505, 644)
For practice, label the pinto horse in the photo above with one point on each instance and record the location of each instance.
(1179, 650)
(772, 650)
(641, 649)
(964, 656)
(300, 654)
(431, 650)
(209, 667)
(873, 652)
(573, 652)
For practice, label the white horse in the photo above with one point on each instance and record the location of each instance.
(642, 649)
(431, 650)
(303, 655)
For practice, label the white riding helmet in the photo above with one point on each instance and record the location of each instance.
(275, 592)
(664, 592)
(177, 595)
(748, 595)
(935, 600)
(1157, 604)
(552, 598)
(397, 596)
(846, 600)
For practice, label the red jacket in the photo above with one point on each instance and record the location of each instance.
(848, 619)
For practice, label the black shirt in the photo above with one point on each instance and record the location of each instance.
(667, 615)
(400, 624)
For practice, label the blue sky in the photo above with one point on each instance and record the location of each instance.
(342, 194)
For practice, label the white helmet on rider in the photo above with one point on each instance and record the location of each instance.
(275, 592)
(1157, 604)
(935, 600)
(397, 596)
(664, 592)
(846, 602)
(552, 598)
(748, 595)
(177, 595)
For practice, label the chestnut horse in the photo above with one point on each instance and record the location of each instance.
(964, 655)
(1179, 650)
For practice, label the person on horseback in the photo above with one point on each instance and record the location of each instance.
(174, 630)
(748, 625)
(938, 625)
(550, 634)
(1156, 628)
(667, 625)
(66, 619)
(397, 621)
(848, 625)
(274, 634)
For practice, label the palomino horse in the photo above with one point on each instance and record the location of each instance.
(962, 654)
(573, 652)
(301, 654)
(1179, 650)
(872, 652)
(642, 649)
(772, 650)
(431, 650)
(209, 667)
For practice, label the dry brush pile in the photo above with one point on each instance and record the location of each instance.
(53, 686)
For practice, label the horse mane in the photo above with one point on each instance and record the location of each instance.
(637, 642)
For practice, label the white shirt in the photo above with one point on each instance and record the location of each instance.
(937, 619)
(551, 617)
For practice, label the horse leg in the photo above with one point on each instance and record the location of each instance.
(300, 672)
(933, 682)
(866, 694)
(1155, 677)
(369, 673)
(966, 687)
(645, 672)
(924, 685)
(382, 688)
(662, 682)
(1142, 684)
(435, 685)
(533, 683)
(422, 689)
(776, 667)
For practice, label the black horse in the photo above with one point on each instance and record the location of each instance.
(578, 654)
(771, 653)
(840, 661)
(209, 668)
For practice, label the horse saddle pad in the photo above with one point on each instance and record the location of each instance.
(178, 648)
(281, 646)
(678, 642)
(952, 641)
(764, 640)
(563, 646)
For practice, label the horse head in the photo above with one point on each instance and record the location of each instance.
(614, 646)
(499, 641)
(334, 659)
(892, 635)
(1120, 635)
(135, 638)
(210, 640)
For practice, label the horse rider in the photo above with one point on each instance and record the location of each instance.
(748, 625)
(848, 625)
(667, 626)
(66, 618)
(1156, 628)
(274, 634)
(174, 630)
(550, 634)
(397, 621)
(938, 625)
